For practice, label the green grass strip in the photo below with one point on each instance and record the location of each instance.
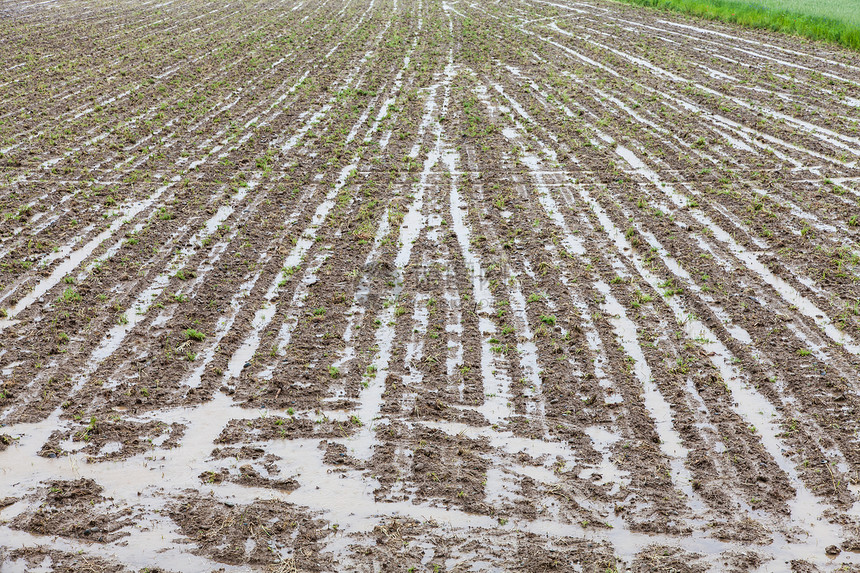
(756, 16)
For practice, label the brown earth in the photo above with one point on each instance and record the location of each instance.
(425, 286)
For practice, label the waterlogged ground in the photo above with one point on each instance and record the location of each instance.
(422, 285)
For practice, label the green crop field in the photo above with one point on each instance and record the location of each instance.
(847, 11)
(831, 20)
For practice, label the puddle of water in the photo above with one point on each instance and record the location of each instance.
(495, 380)
(77, 257)
(751, 406)
(370, 399)
(786, 291)
(285, 333)
(625, 329)
(263, 317)
(657, 406)
(602, 441)
(821, 133)
(225, 323)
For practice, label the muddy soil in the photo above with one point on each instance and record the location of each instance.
(425, 285)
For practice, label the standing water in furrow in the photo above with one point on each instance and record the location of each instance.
(426, 285)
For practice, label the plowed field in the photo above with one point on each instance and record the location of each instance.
(422, 285)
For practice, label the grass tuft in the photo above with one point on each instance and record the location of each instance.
(191, 334)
